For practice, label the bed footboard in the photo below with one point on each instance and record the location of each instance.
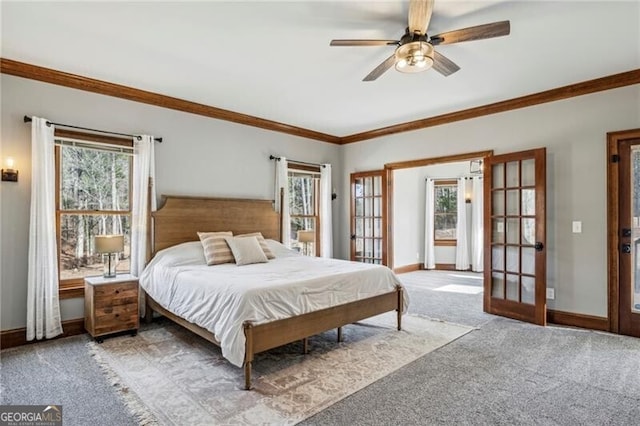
(262, 337)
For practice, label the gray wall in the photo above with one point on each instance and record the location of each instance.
(574, 133)
(199, 156)
(202, 156)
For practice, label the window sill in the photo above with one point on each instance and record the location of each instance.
(445, 243)
(71, 291)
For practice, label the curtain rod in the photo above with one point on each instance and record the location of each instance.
(273, 157)
(28, 119)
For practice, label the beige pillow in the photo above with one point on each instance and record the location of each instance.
(216, 250)
(246, 250)
(263, 243)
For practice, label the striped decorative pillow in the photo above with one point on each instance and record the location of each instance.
(216, 249)
(263, 243)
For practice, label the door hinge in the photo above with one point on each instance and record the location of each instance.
(615, 158)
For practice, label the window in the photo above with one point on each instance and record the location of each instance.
(445, 210)
(93, 198)
(304, 208)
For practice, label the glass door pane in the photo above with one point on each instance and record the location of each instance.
(367, 225)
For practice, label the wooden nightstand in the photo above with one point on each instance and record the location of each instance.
(110, 305)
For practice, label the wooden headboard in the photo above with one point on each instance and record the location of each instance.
(180, 218)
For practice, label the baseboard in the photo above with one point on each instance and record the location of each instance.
(445, 267)
(578, 320)
(420, 267)
(18, 336)
(408, 268)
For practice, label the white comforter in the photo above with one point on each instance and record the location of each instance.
(220, 298)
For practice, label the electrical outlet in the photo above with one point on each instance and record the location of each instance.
(576, 226)
(551, 293)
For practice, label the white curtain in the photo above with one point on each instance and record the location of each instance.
(462, 245)
(282, 182)
(143, 174)
(43, 307)
(326, 227)
(429, 237)
(477, 225)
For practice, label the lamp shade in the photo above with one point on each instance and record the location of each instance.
(109, 243)
(308, 236)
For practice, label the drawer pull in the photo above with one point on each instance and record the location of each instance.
(117, 291)
(117, 315)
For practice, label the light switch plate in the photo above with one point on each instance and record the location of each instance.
(577, 227)
(551, 293)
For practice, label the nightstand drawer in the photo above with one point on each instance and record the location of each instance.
(115, 323)
(116, 311)
(128, 297)
(116, 291)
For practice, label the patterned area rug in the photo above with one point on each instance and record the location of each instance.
(170, 376)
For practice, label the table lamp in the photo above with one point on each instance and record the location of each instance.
(306, 237)
(109, 246)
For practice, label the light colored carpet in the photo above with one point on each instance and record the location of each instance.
(170, 376)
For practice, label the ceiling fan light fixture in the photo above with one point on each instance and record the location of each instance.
(415, 56)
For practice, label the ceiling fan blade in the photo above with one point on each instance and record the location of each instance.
(419, 15)
(364, 43)
(444, 65)
(495, 29)
(381, 69)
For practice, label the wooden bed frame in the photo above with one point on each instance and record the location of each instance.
(180, 218)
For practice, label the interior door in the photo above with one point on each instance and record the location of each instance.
(368, 217)
(515, 253)
(629, 223)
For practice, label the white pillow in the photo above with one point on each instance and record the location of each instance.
(246, 250)
(183, 254)
(280, 250)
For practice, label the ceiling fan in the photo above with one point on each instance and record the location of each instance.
(415, 51)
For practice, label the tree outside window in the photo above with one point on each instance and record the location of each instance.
(445, 211)
(303, 208)
(94, 187)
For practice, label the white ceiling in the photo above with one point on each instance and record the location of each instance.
(273, 60)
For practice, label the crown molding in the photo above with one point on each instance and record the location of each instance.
(48, 75)
(578, 89)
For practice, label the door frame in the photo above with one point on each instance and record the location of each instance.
(391, 167)
(613, 214)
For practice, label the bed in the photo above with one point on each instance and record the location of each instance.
(298, 296)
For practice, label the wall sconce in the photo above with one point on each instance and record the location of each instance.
(475, 167)
(9, 174)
